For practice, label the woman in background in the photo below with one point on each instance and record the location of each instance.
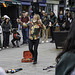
(6, 27)
(66, 59)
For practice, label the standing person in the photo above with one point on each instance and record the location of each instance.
(66, 12)
(42, 14)
(61, 20)
(34, 36)
(46, 23)
(69, 20)
(66, 59)
(25, 20)
(6, 33)
(53, 20)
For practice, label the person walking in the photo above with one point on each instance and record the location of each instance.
(25, 20)
(45, 32)
(53, 21)
(66, 59)
(6, 27)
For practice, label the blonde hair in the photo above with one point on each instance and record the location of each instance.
(38, 17)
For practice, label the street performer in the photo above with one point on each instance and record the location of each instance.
(34, 35)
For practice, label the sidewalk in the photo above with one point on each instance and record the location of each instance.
(11, 59)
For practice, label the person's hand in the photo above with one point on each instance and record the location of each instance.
(18, 20)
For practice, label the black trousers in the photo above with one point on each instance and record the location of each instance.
(13, 42)
(6, 39)
(33, 46)
(52, 30)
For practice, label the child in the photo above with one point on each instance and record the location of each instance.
(16, 37)
(0, 36)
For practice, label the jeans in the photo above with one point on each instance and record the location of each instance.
(46, 34)
(34, 43)
(6, 39)
(25, 34)
(52, 30)
(17, 42)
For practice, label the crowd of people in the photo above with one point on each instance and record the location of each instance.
(32, 29)
(62, 21)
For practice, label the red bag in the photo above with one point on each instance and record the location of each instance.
(27, 57)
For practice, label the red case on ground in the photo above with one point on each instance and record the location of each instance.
(27, 57)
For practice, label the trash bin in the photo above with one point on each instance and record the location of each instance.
(60, 37)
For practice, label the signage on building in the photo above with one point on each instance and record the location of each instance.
(43, 1)
(26, 0)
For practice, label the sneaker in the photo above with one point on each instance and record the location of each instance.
(7, 47)
(42, 41)
(47, 41)
(13, 46)
(18, 46)
(3, 47)
(52, 41)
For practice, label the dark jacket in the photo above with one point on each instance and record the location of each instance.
(61, 19)
(66, 64)
(6, 27)
(46, 22)
(16, 36)
(68, 23)
(53, 19)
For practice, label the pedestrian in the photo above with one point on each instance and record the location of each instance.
(6, 27)
(34, 35)
(66, 59)
(16, 37)
(69, 20)
(61, 20)
(25, 32)
(45, 32)
(66, 12)
(53, 21)
(42, 14)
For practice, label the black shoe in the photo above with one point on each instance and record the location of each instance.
(22, 43)
(52, 41)
(35, 62)
(14, 46)
(18, 46)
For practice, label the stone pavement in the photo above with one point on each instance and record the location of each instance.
(11, 58)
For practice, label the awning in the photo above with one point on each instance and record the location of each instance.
(26, 3)
(43, 5)
(12, 2)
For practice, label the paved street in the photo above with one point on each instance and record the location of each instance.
(11, 58)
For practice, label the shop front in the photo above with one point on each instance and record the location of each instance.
(11, 8)
(52, 6)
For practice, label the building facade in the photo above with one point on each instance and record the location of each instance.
(52, 5)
